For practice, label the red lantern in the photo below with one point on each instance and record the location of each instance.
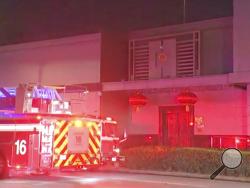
(137, 100)
(187, 97)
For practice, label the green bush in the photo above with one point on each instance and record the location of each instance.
(193, 160)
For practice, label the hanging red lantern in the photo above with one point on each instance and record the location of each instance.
(187, 97)
(137, 100)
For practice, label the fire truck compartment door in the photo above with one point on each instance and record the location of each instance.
(78, 139)
(34, 151)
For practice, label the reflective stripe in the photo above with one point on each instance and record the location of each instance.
(20, 127)
(92, 156)
(69, 160)
(109, 138)
(62, 134)
(62, 146)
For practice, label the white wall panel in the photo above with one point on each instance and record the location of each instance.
(241, 30)
(222, 111)
(145, 121)
(63, 61)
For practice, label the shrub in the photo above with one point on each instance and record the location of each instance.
(193, 160)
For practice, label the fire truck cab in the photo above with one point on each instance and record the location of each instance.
(19, 145)
(110, 142)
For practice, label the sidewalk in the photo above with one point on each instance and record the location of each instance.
(176, 174)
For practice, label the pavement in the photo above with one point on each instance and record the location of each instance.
(174, 174)
(88, 179)
(109, 179)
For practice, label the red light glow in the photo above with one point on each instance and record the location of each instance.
(237, 141)
(18, 166)
(148, 139)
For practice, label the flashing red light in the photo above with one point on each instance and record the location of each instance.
(237, 141)
(148, 139)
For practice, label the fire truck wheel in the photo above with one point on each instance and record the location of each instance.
(3, 167)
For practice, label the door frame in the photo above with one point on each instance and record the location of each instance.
(163, 130)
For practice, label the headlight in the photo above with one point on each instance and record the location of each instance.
(113, 159)
(117, 150)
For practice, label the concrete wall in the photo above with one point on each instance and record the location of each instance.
(247, 113)
(146, 119)
(223, 111)
(217, 50)
(63, 61)
(216, 40)
(241, 31)
(115, 105)
(114, 56)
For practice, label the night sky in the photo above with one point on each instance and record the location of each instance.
(32, 20)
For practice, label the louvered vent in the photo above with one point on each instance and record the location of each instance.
(139, 56)
(187, 54)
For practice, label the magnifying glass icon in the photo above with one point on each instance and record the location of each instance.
(231, 158)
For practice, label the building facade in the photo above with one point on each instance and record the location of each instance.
(195, 58)
(155, 69)
(208, 59)
(60, 62)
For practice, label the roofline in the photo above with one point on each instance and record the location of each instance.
(50, 42)
(212, 80)
(179, 28)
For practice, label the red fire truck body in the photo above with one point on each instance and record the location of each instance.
(110, 144)
(36, 142)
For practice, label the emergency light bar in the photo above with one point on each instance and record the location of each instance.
(7, 92)
(38, 92)
(46, 93)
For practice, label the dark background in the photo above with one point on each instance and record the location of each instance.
(31, 20)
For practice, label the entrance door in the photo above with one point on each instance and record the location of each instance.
(175, 126)
(34, 151)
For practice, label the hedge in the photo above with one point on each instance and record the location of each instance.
(191, 160)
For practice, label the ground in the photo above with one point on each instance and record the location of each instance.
(113, 180)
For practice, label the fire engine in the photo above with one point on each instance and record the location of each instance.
(39, 134)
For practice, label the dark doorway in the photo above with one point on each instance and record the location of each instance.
(176, 130)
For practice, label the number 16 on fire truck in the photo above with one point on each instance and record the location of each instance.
(39, 138)
(30, 145)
